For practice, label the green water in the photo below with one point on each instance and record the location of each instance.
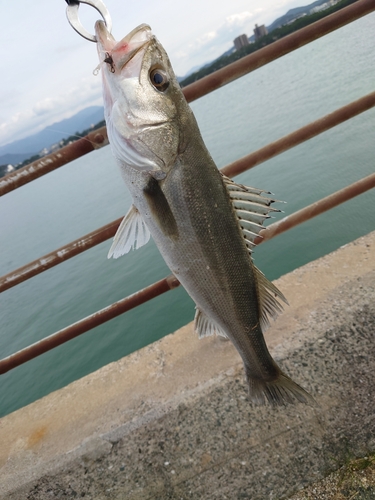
(89, 192)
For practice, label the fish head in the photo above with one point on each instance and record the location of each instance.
(143, 102)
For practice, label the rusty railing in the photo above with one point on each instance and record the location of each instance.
(198, 89)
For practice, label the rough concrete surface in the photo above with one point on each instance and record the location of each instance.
(355, 480)
(173, 421)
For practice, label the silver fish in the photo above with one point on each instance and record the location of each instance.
(203, 223)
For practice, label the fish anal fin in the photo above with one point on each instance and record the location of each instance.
(204, 326)
(131, 234)
(268, 296)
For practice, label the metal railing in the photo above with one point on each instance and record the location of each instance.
(198, 89)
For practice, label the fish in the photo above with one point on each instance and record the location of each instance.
(203, 223)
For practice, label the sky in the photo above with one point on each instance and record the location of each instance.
(46, 68)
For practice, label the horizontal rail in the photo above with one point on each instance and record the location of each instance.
(87, 323)
(170, 282)
(197, 89)
(301, 135)
(60, 255)
(108, 231)
(278, 49)
(317, 208)
(93, 140)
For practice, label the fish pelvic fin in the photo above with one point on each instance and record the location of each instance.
(131, 234)
(279, 391)
(204, 326)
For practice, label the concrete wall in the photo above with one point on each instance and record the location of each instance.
(173, 421)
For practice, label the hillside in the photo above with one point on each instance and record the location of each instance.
(33, 144)
(293, 14)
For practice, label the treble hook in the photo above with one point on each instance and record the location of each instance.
(72, 15)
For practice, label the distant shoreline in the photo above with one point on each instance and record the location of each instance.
(273, 36)
(63, 142)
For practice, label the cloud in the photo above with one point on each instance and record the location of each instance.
(45, 106)
(49, 110)
(233, 26)
(238, 20)
(213, 43)
(204, 40)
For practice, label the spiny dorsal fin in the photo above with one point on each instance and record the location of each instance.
(251, 208)
(205, 327)
(131, 234)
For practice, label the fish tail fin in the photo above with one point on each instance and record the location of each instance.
(279, 391)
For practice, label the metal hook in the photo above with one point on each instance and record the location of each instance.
(72, 15)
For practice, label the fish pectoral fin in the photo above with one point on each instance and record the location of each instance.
(131, 234)
(251, 209)
(160, 208)
(204, 326)
(268, 295)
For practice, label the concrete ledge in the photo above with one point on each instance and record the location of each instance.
(173, 420)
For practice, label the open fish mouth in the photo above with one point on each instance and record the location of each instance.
(118, 54)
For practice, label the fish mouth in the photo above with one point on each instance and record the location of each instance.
(118, 54)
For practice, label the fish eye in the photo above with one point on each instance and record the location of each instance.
(159, 79)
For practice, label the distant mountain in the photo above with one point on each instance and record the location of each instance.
(292, 14)
(192, 70)
(197, 68)
(19, 150)
(14, 159)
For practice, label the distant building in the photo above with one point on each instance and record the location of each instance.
(241, 41)
(260, 31)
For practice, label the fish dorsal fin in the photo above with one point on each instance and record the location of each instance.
(131, 234)
(204, 326)
(252, 208)
(268, 295)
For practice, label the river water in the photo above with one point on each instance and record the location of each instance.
(88, 193)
